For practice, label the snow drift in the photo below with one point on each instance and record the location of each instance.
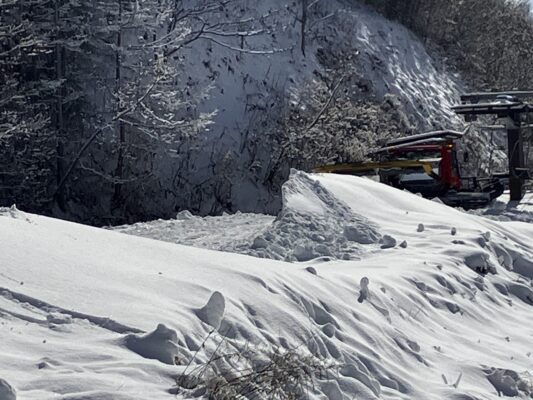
(90, 313)
(313, 223)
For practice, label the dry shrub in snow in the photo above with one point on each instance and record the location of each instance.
(236, 371)
(334, 118)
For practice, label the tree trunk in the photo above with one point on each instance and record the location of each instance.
(60, 125)
(304, 23)
(119, 170)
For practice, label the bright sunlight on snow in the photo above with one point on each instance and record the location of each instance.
(392, 311)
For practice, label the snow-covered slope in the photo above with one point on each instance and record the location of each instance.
(432, 304)
(229, 167)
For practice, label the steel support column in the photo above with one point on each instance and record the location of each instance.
(515, 153)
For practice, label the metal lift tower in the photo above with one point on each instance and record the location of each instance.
(514, 107)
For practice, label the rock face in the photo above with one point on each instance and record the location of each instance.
(250, 92)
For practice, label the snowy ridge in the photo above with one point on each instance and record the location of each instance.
(446, 316)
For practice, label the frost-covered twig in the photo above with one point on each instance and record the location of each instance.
(251, 372)
(327, 104)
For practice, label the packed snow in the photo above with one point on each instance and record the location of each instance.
(224, 233)
(429, 303)
(502, 209)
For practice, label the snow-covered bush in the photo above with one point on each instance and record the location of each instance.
(236, 371)
(489, 40)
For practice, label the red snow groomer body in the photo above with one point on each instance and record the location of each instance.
(426, 164)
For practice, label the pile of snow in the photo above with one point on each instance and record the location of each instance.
(313, 223)
(160, 344)
(87, 313)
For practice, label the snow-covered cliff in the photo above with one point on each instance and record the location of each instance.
(230, 167)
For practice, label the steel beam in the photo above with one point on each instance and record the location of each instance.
(516, 157)
(475, 97)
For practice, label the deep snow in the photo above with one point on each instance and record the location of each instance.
(442, 312)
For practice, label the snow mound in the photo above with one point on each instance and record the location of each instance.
(14, 212)
(313, 223)
(6, 391)
(161, 344)
(213, 312)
